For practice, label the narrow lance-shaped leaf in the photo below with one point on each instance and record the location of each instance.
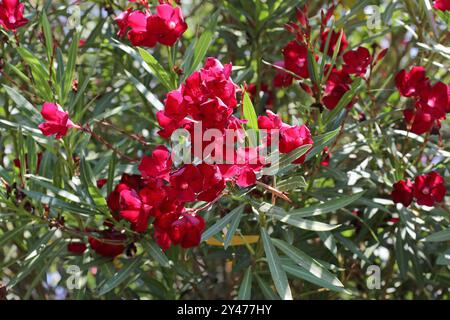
(278, 274)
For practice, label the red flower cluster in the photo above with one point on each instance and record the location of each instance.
(431, 102)
(146, 30)
(57, 120)
(295, 54)
(427, 189)
(11, 14)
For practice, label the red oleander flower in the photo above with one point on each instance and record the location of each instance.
(282, 79)
(146, 30)
(338, 83)
(434, 101)
(333, 95)
(443, 5)
(295, 59)
(213, 182)
(186, 182)
(111, 243)
(76, 247)
(403, 192)
(357, 61)
(247, 161)
(412, 83)
(134, 210)
(158, 165)
(290, 137)
(11, 14)
(57, 121)
(187, 231)
(429, 189)
(419, 121)
(167, 25)
(333, 42)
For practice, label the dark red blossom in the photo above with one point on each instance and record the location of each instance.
(110, 243)
(403, 192)
(357, 61)
(443, 5)
(76, 247)
(296, 59)
(434, 100)
(158, 165)
(419, 122)
(429, 189)
(411, 83)
(332, 45)
(11, 14)
(187, 231)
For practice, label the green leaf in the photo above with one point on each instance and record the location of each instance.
(222, 223)
(284, 160)
(281, 215)
(266, 290)
(69, 73)
(440, 236)
(320, 142)
(245, 290)
(156, 253)
(313, 68)
(198, 51)
(249, 113)
(292, 183)
(301, 273)
(121, 275)
(48, 35)
(307, 262)
(157, 69)
(5, 237)
(328, 206)
(276, 270)
(23, 105)
(40, 73)
(233, 226)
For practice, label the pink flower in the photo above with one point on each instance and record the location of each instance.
(57, 121)
(11, 14)
(403, 192)
(357, 61)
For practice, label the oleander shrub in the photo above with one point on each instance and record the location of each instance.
(232, 149)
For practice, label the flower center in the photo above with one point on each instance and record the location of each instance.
(184, 186)
(426, 191)
(172, 25)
